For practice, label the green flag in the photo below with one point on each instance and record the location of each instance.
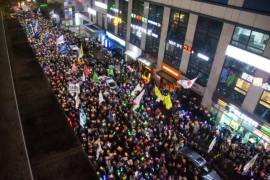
(110, 71)
(95, 77)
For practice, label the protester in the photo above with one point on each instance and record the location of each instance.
(126, 144)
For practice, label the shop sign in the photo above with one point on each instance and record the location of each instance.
(266, 86)
(265, 130)
(185, 47)
(246, 120)
(247, 77)
(222, 104)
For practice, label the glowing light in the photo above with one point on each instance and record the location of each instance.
(145, 61)
(202, 56)
(170, 70)
(101, 5)
(117, 39)
(154, 23)
(92, 11)
(248, 58)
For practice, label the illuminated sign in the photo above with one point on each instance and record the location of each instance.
(101, 5)
(170, 70)
(92, 11)
(248, 58)
(202, 56)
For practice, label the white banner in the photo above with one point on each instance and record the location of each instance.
(60, 40)
(74, 88)
(137, 88)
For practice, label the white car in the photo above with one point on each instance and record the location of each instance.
(111, 83)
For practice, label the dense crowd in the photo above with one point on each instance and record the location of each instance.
(141, 144)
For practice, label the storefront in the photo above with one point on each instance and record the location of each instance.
(92, 30)
(112, 43)
(167, 77)
(132, 52)
(242, 124)
(145, 68)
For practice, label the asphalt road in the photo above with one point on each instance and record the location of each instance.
(54, 151)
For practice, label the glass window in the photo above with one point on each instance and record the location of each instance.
(136, 22)
(257, 41)
(232, 83)
(250, 40)
(262, 5)
(175, 37)
(110, 16)
(263, 106)
(123, 11)
(204, 44)
(153, 30)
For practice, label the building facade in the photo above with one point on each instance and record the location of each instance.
(224, 43)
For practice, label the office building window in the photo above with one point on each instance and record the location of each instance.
(123, 12)
(217, 1)
(154, 24)
(111, 15)
(176, 37)
(261, 6)
(235, 80)
(250, 40)
(204, 46)
(263, 106)
(137, 18)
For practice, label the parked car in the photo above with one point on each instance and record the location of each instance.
(200, 164)
(111, 83)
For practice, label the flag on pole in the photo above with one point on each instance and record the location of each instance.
(81, 52)
(83, 77)
(95, 77)
(110, 71)
(212, 144)
(250, 164)
(38, 11)
(158, 93)
(186, 84)
(137, 88)
(77, 101)
(36, 27)
(46, 37)
(74, 68)
(167, 102)
(82, 117)
(137, 100)
(60, 40)
(100, 97)
(86, 70)
(99, 150)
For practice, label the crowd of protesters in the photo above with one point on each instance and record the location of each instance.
(141, 144)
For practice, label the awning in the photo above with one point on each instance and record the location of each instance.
(145, 61)
(166, 76)
(92, 27)
(132, 54)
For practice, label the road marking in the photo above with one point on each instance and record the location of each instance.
(15, 97)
